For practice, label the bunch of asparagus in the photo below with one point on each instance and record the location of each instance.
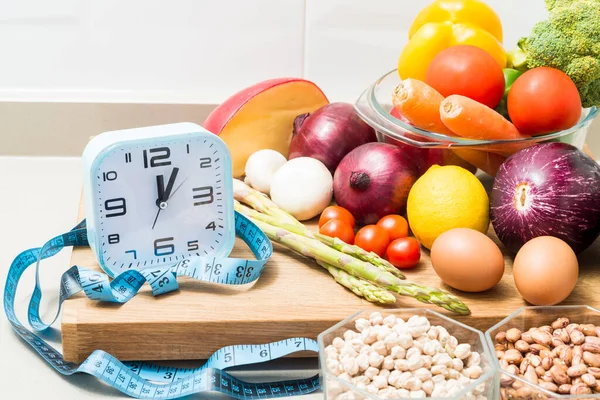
(364, 273)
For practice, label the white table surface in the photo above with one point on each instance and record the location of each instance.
(39, 198)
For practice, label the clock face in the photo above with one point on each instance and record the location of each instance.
(161, 202)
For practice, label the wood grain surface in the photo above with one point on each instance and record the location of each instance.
(293, 297)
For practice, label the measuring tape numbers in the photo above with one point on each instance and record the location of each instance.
(144, 380)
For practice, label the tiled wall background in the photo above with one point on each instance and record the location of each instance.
(131, 52)
(200, 51)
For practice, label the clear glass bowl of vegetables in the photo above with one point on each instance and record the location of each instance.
(405, 353)
(376, 107)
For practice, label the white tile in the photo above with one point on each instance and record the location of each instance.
(146, 50)
(350, 43)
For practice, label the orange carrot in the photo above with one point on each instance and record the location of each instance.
(471, 119)
(419, 103)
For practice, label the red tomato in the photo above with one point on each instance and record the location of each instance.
(404, 253)
(468, 71)
(543, 100)
(339, 229)
(372, 238)
(336, 212)
(395, 225)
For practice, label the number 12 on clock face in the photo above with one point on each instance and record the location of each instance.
(158, 202)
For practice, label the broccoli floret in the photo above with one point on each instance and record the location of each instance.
(568, 40)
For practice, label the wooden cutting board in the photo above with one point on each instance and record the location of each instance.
(293, 297)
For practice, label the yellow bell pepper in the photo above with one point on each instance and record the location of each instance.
(456, 11)
(463, 26)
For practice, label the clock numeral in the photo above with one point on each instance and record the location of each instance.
(211, 226)
(163, 249)
(109, 176)
(205, 162)
(127, 157)
(165, 153)
(206, 196)
(192, 245)
(132, 252)
(113, 239)
(117, 205)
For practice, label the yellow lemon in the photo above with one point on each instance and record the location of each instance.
(445, 198)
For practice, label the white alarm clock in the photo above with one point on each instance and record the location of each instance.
(156, 195)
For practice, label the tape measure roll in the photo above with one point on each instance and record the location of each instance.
(149, 381)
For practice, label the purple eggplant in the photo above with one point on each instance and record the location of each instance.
(549, 189)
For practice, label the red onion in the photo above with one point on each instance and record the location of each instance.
(329, 133)
(550, 189)
(373, 181)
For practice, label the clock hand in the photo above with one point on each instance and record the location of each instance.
(165, 194)
(160, 187)
(156, 218)
(177, 188)
(170, 184)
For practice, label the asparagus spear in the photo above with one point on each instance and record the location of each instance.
(360, 269)
(358, 286)
(335, 243)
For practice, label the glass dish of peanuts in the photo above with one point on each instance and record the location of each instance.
(405, 353)
(548, 353)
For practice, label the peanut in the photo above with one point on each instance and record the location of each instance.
(564, 389)
(526, 336)
(531, 375)
(570, 328)
(499, 347)
(560, 323)
(522, 346)
(576, 370)
(592, 359)
(513, 334)
(589, 380)
(577, 337)
(559, 375)
(546, 328)
(501, 338)
(548, 386)
(524, 365)
(513, 356)
(594, 371)
(566, 354)
(540, 371)
(588, 329)
(591, 347)
(547, 363)
(580, 388)
(541, 337)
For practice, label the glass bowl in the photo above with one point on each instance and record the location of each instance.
(375, 104)
(335, 387)
(515, 387)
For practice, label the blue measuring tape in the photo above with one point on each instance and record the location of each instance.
(144, 380)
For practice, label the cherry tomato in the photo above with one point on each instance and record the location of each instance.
(404, 253)
(336, 212)
(543, 100)
(372, 238)
(395, 225)
(468, 71)
(339, 229)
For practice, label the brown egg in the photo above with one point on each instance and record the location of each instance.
(467, 260)
(545, 271)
